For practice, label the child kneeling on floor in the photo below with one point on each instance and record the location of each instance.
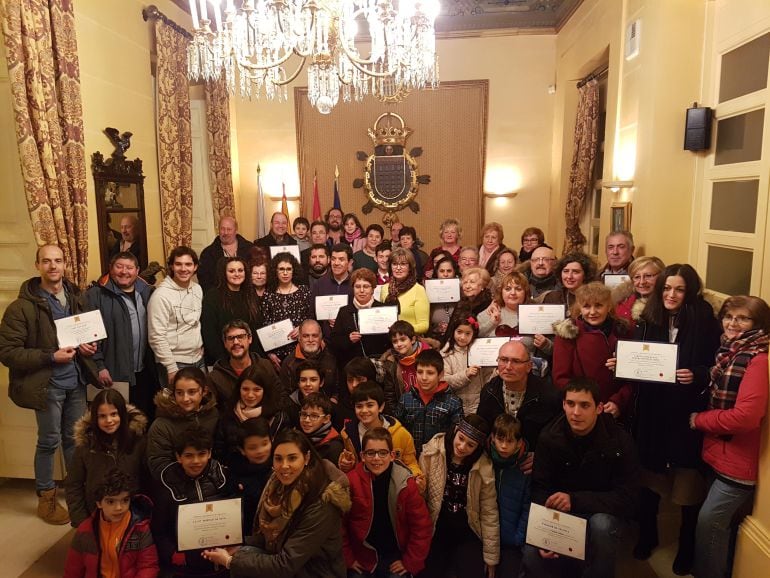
(115, 541)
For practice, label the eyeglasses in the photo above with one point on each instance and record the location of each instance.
(399, 265)
(645, 277)
(310, 416)
(285, 269)
(739, 319)
(376, 453)
(543, 259)
(511, 361)
(530, 240)
(238, 337)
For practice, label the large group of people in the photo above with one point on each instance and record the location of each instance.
(380, 455)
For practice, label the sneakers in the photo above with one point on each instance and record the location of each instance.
(49, 509)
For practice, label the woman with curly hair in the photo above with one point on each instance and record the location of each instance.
(298, 526)
(573, 271)
(285, 299)
(491, 245)
(232, 298)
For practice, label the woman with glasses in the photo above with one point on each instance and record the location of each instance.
(731, 427)
(450, 232)
(346, 339)
(531, 239)
(285, 299)
(231, 298)
(404, 291)
(669, 450)
(630, 297)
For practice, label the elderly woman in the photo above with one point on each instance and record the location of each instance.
(474, 296)
(505, 262)
(346, 339)
(630, 297)
(403, 290)
(731, 429)
(491, 245)
(450, 232)
(573, 270)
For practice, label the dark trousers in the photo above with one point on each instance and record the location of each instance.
(454, 552)
(143, 393)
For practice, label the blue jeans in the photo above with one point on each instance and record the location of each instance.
(717, 527)
(602, 544)
(55, 426)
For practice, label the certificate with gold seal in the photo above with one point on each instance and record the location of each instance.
(556, 531)
(646, 361)
(209, 524)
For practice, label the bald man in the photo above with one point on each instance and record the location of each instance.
(278, 233)
(130, 241)
(541, 278)
(227, 244)
(516, 391)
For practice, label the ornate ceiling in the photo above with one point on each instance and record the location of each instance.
(480, 16)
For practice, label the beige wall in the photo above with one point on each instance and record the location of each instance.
(646, 103)
(520, 69)
(114, 45)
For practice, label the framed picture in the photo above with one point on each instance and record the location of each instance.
(620, 217)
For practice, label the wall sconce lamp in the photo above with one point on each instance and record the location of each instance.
(615, 186)
(506, 195)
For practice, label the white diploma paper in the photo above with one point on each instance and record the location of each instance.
(209, 524)
(646, 361)
(556, 531)
(378, 292)
(442, 290)
(120, 386)
(327, 306)
(612, 280)
(275, 335)
(376, 320)
(293, 249)
(81, 328)
(483, 352)
(534, 319)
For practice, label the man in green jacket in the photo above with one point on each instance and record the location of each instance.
(43, 376)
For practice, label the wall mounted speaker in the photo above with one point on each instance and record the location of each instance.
(697, 129)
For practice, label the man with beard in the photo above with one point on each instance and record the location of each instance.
(336, 281)
(122, 298)
(317, 263)
(227, 244)
(237, 338)
(310, 347)
(334, 222)
(540, 275)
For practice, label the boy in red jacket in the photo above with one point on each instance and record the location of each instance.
(116, 540)
(374, 544)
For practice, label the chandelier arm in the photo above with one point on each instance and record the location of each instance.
(250, 66)
(359, 65)
(294, 74)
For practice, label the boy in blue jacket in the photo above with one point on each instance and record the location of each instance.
(508, 451)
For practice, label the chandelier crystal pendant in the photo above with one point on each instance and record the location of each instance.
(253, 45)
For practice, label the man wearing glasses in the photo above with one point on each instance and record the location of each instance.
(516, 391)
(541, 278)
(237, 338)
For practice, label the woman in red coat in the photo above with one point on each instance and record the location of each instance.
(731, 429)
(585, 346)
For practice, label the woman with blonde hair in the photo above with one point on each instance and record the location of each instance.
(631, 296)
(491, 245)
(404, 291)
(450, 232)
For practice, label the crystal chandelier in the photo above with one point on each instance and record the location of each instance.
(252, 47)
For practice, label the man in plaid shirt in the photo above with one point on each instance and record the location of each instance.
(431, 407)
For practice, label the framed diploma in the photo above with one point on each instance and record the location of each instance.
(442, 290)
(376, 320)
(275, 335)
(534, 319)
(611, 280)
(646, 361)
(209, 524)
(81, 328)
(293, 249)
(556, 531)
(483, 352)
(327, 306)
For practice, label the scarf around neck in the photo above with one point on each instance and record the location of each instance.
(276, 510)
(244, 413)
(397, 288)
(356, 235)
(732, 360)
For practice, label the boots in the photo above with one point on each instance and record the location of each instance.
(49, 509)
(648, 524)
(686, 553)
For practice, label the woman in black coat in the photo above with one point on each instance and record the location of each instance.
(675, 313)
